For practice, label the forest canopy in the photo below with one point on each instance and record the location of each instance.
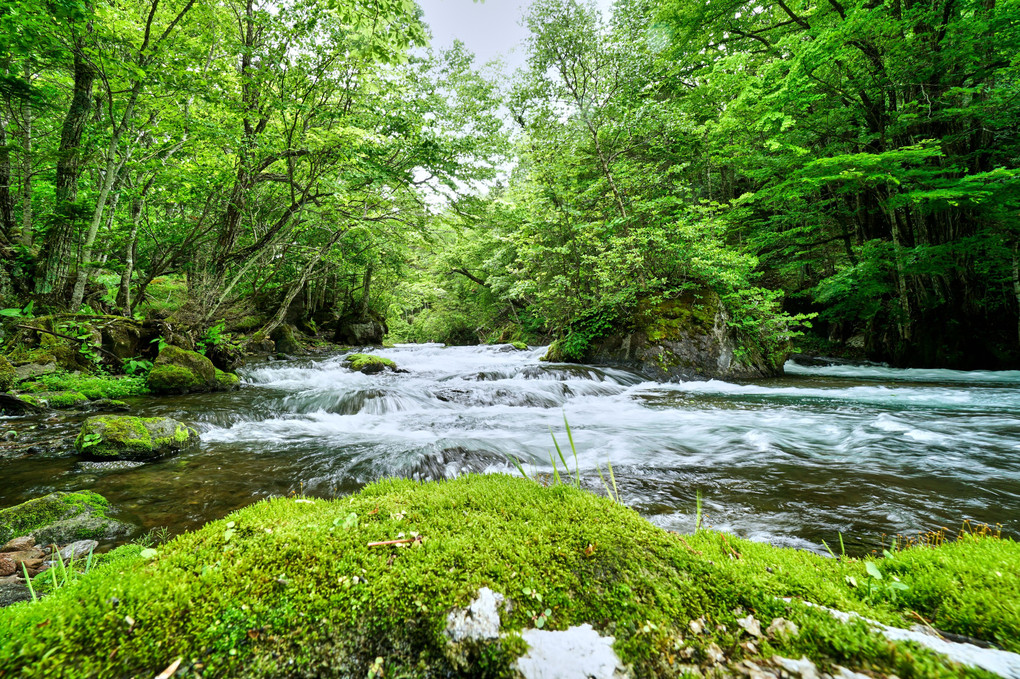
(844, 169)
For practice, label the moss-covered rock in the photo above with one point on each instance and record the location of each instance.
(519, 346)
(178, 371)
(7, 374)
(294, 587)
(227, 381)
(369, 363)
(286, 341)
(61, 518)
(688, 337)
(57, 400)
(122, 437)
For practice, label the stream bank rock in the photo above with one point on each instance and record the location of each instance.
(360, 330)
(123, 437)
(61, 518)
(179, 371)
(685, 338)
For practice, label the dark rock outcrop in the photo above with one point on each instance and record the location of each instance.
(360, 330)
(688, 338)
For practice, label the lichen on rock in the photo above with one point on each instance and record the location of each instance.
(122, 437)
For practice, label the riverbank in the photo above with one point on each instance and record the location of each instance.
(374, 582)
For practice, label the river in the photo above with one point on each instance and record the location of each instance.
(863, 452)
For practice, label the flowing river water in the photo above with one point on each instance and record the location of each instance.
(866, 452)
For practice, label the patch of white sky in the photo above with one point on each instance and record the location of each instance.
(493, 30)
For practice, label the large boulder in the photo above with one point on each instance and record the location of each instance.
(686, 338)
(122, 437)
(61, 518)
(285, 339)
(123, 337)
(360, 331)
(179, 371)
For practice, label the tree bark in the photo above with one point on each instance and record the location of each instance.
(6, 198)
(56, 250)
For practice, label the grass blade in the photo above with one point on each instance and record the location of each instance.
(28, 581)
(570, 437)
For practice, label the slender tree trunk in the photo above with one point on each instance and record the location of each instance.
(281, 313)
(56, 250)
(111, 176)
(366, 290)
(26, 173)
(124, 293)
(6, 197)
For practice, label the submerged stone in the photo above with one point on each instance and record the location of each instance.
(122, 437)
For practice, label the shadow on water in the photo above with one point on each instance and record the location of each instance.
(864, 452)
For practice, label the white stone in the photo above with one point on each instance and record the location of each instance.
(802, 668)
(575, 653)
(478, 621)
(1003, 663)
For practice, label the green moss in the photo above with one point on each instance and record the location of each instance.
(28, 517)
(178, 371)
(227, 381)
(127, 437)
(172, 379)
(369, 362)
(554, 354)
(674, 319)
(7, 374)
(290, 587)
(57, 399)
(519, 346)
(92, 386)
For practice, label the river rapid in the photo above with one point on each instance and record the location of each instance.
(866, 452)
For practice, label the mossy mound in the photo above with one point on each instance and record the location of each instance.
(178, 371)
(61, 518)
(300, 588)
(8, 376)
(122, 437)
(57, 399)
(519, 346)
(227, 381)
(369, 363)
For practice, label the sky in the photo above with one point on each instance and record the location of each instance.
(490, 29)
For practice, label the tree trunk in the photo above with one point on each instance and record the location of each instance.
(6, 198)
(26, 174)
(124, 293)
(281, 313)
(56, 250)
